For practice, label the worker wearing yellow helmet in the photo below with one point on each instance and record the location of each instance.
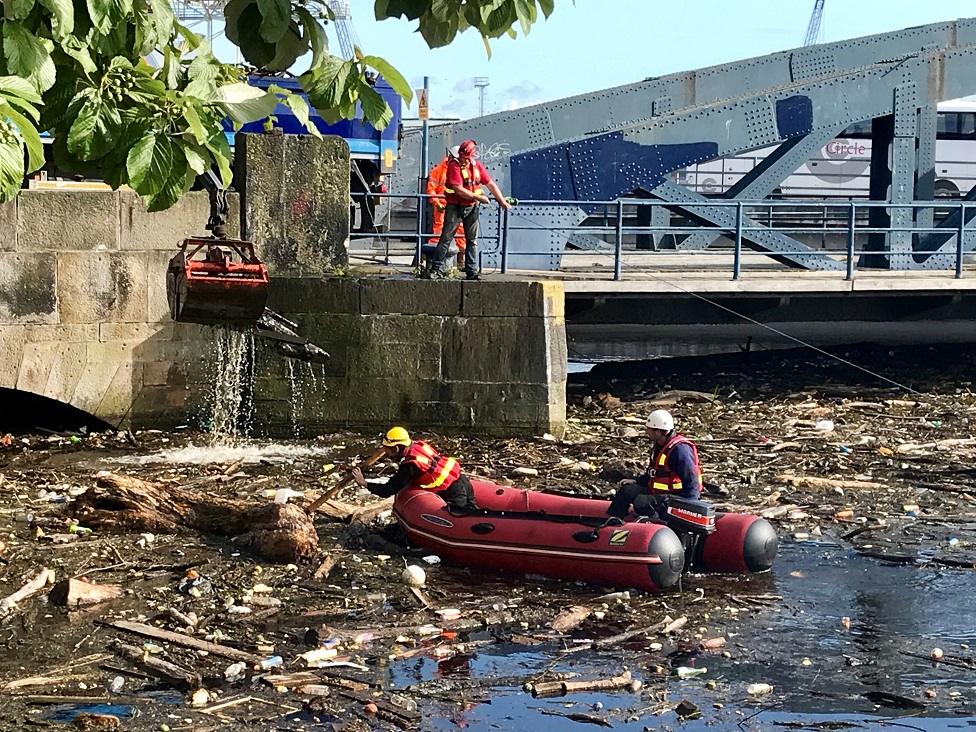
(423, 467)
(673, 470)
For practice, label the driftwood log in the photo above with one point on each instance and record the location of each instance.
(281, 532)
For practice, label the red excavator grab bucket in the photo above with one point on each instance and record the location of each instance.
(217, 288)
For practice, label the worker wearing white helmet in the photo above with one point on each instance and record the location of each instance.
(673, 470)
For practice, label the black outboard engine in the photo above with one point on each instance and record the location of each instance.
(692, 521)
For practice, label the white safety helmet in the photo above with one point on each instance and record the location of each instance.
(454, 151)
(660, 419)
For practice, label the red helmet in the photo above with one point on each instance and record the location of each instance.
(467, 148)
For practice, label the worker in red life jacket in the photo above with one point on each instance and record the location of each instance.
(422, 466)
(436, 183)
(672, 471)
(463, 194)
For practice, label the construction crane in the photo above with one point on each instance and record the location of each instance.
(813, 27)
(345, 31)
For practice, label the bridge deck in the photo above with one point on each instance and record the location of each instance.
(672, 272)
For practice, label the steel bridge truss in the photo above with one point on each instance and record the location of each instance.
(613, 143)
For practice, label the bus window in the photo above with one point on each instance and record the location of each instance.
(957, 126)
(858, 130)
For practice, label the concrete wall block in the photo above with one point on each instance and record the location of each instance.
(80, 333)
(393, 359)
(441, 414)
(12, 340)
(411, 297)
(101, 362)
(35, 367)
(67, 369)
(160, 373)
(94, 287)
(427, 329)
(558, 350)
(292, 295)
(513, 299)
(124, 387)
(67, 220)
(159, 406)
(295, 208)
(28, 288)
(496, 350)
(8, 225)
(135, 332)
(141, 230)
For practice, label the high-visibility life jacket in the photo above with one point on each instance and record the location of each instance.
(437, 472)
(662, 479)
(437, 180)
(470, 174)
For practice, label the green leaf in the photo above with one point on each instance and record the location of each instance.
(299, 108)
(11, 169)
(220, 149)
(108, 14)
(24, 51)
(76, 50)
(375, 109)
(174, 186)
(315, 33)
(393, 77)
(29, 134)
(15, 86)
(195, 159)
(244, 103)
(150, 163)
(17, 9)
(256, 50)
(326, 84)
(547, 7)
(162, 11)
(63, 17)
(526, 12)
(95, 130)
(289, 49)
(275, 17)
(194, 123)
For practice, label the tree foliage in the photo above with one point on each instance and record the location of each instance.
(80, 70)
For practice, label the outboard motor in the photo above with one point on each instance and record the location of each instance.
(693, 521)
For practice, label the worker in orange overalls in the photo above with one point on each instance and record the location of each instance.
(436, 183)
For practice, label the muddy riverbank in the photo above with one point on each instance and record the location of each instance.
(869, 484)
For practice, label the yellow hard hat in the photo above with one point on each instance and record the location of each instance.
(396, 436)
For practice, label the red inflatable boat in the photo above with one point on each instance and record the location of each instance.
(571, 538)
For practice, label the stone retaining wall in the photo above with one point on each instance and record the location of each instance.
(489, 356)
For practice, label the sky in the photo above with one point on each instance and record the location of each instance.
(593, 44)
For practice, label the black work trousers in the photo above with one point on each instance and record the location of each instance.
(645, 504)
(459, 496)
(454, 216)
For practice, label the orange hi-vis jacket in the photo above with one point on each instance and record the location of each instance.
(661, 477)
(436, 183)
(437, 472)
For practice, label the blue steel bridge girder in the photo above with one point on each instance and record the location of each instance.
(766, 177)
(605, 145)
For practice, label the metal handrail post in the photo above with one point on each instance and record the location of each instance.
(420, 228)
(503, 220)
(618, 242)
(852, 214)
(737, 261)
(960, 239)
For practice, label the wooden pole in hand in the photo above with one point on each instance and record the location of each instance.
(329, 494)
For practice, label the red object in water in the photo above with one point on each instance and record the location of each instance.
(562, 536)
(228, 285)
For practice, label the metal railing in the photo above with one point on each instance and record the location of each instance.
(843, 220)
